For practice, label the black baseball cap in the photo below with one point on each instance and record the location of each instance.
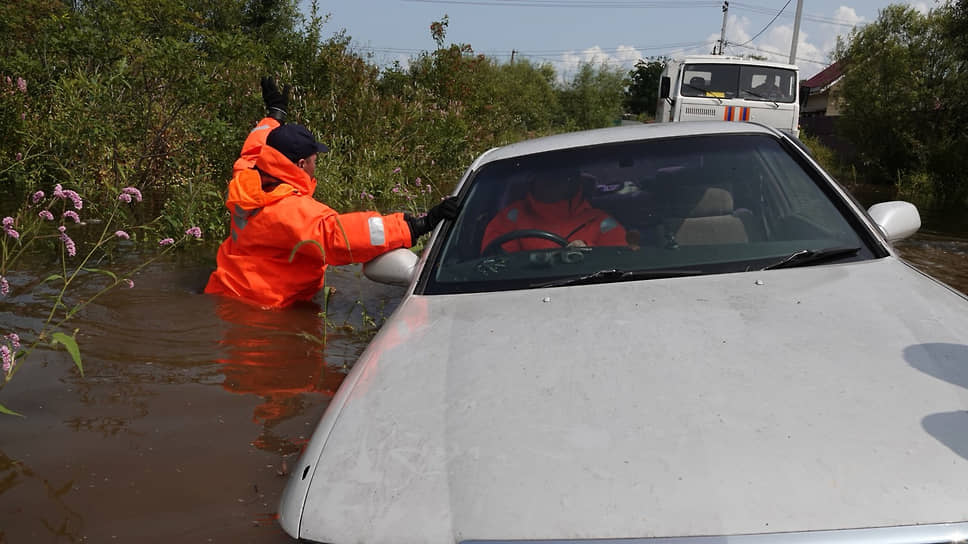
(295, 142)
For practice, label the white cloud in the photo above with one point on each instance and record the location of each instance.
(624, 56)
(627, 55)
(815, 42)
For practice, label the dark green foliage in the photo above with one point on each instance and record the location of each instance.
(905, 97)
(594, 97)
(642, 96)
(159, 94)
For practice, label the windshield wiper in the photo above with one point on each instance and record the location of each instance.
(806, 257)
(612, 274)
(703, 91)
(758, 95)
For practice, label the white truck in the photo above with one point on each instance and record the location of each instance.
(725, 88)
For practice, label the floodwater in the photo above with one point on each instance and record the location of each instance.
(192, 408)
(189, 413)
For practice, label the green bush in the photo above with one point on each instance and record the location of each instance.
(159, 95)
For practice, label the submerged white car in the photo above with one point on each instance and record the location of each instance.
(722, 347)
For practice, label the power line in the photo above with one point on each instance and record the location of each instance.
(626, 4)
(539, 52)
(759, 50)
(767, 24)
(815, 18)
(630, 4)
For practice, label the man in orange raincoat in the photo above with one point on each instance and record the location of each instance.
(281, 238)
(556, 205)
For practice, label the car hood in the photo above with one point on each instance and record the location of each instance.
(788, 400)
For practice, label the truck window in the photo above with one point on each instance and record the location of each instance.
(710, 80)
(767, 84)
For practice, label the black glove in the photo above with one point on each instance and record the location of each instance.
(276, 102)
(447, 209)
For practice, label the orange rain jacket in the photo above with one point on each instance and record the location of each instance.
(573, 219)
(273, 210)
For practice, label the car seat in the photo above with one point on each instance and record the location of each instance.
(702, 214)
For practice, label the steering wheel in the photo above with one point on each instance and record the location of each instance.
(523, 233)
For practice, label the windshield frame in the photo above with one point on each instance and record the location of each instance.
(846, 207)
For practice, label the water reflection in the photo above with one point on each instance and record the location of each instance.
(276, 355)
(943, 257)
(188, 411)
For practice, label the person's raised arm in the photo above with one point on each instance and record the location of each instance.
(277, 104)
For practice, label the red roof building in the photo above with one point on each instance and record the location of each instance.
(824, 98)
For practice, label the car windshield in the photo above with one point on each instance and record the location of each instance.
(645, 209)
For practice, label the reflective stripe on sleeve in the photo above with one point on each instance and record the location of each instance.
(377, 234)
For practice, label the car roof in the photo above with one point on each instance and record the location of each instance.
(644, 131)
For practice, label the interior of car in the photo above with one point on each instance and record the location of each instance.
(697, 201)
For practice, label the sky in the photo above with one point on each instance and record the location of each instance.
(619, 32)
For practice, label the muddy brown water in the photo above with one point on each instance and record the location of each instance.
(193, 408)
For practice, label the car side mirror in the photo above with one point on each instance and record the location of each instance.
(804, 96)
(897, 219)
(664, 85)
(394, 267)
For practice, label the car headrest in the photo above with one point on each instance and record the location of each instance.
(702, 201)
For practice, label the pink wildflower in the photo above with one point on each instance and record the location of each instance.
(122, 235)
(418, 182)
(72, 216)
(8, 228)
(396, 170)
(124, 197)
(194, 231)
(19, 156)
(22, 84)
(37, 197)
(4, 287)
(396, 189)
(166, 242)
(14, 340)
(7, 358)
(128, 283)
(75, 199)
(46, 215)
(135, 193)
(59, 191)
(68, 243)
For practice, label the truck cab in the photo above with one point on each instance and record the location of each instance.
(725, 88)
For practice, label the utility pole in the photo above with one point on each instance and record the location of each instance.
(722, 34)
(796, 33)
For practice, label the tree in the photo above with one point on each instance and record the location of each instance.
(642, 94)
(904, 106)
(593, 98)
